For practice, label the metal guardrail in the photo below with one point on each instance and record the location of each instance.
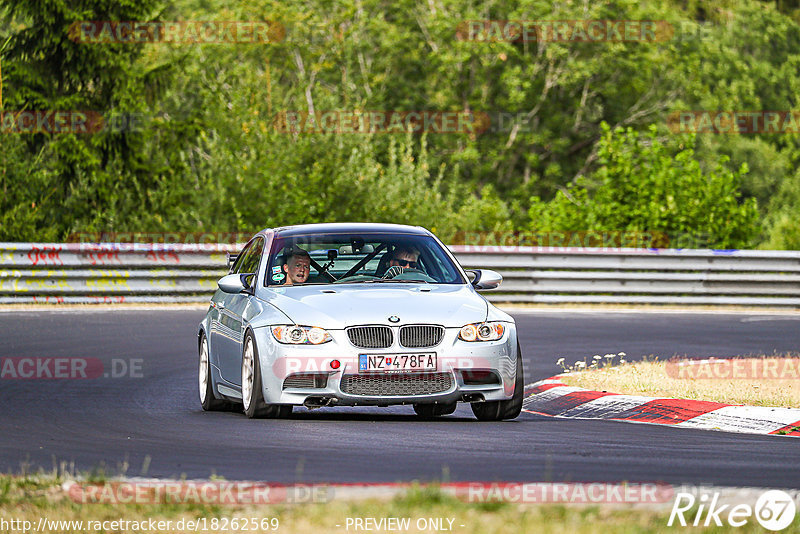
(640, 276)
(127, 272)
(110, 272)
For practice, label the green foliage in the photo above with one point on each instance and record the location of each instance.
(644, 185)
(56, 184)
(783, 228)
(209, 157)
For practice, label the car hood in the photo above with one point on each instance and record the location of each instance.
(336, 307)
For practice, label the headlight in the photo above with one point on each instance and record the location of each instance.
(300, 335)
(482, 332)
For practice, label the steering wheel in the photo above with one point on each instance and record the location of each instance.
(392, 271)
(396, 271)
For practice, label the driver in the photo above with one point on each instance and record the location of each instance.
(297, 266)
(405, 258)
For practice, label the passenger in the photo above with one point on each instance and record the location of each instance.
(297, 266)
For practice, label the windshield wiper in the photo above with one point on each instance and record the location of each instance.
(383, 281)
(403, 281)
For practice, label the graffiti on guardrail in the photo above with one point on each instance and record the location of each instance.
(7, 254)
(107, 283)
(49, 300)
(49, 283)
(102, 257)
(107, 300)
(163, 256)
(50, 255)
(164, 282)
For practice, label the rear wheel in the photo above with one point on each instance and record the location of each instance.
(207, 399)
(507, 409)
(434, 410)
(252, 396)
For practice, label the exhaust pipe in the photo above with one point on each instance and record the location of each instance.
(319, 402)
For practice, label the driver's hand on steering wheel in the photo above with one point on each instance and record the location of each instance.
(393, 271)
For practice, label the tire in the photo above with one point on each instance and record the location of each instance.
(252, 396)
(206, 390)
(507, 409)
(434, 410)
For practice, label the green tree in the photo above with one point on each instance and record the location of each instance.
(644, 185)
(77, 181)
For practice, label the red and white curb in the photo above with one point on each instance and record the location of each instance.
(554, 398)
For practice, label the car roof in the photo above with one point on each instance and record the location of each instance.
(345, 228)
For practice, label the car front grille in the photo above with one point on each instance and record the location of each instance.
(398, 384)
(371, 337)
(421, 335)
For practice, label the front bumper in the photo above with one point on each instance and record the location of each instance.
(466, 371)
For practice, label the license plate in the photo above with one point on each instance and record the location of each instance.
(425, 361)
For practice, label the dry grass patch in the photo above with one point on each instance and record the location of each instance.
(753, 381)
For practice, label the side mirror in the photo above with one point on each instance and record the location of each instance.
(485, 279)
(235, 283)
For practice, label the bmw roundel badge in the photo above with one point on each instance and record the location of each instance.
(394, 319)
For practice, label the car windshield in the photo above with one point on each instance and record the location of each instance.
(359, 258)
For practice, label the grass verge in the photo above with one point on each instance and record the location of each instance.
(31, 498)
(753, 381)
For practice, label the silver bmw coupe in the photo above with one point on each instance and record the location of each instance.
(356, 314)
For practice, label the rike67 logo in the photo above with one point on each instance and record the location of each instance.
(774, 510)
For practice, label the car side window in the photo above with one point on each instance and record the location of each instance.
(236, 267)
(252, 256)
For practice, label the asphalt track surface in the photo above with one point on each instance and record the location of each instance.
(116, 423)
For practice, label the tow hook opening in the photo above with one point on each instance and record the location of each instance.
(473, 397)
(319, 402)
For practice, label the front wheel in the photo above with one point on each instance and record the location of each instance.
(207, 399)
(252, 396)
(506, 409)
